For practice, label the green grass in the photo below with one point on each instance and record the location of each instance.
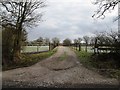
(104, 67)
(89, 48)
(85, 58)
(30, 59)
(63, 57)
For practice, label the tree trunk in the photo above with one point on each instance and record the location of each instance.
(17, 45)
(86, 48)
(37, 48)
(94, 50)
(49, 46)
(76, 46)
(95, 46)
(17, 42)
(79, 47)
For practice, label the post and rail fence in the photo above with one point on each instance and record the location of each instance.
(37, 49)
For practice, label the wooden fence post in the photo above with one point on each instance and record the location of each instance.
(79, 47)
(76, 46)
(37, 48)
(49, 46)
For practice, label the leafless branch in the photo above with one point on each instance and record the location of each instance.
(105, 5)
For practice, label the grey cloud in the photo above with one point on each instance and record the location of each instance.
(70, 19)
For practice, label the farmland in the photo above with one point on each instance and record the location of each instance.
(34, 48)
(89, 48)
(46, 48)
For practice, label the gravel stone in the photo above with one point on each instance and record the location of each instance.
(52, 72)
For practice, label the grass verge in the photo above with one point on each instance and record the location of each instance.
(63, 57)
(108, 68)
(30, 59)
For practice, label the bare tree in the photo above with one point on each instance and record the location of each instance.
(39, 42)
(79, 42)
(86, 39)
(114, 36)
(106, 39)
(105, 5)
(46, 41)
(92, 41)
(75, 43)
(55, 41)
(67, 42)
(19, 15)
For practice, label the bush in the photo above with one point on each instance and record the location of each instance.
(7, 44)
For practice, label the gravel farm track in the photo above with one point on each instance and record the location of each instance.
(60, 70)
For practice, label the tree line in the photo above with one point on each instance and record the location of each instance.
(100, 41)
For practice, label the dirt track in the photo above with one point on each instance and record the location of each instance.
(57, 71)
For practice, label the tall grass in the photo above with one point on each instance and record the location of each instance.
(104, 67)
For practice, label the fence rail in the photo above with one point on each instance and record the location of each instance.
(104, 48)
(33, 52)
(36, 49)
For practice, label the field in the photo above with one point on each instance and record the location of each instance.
(89, 48)
(34, 48)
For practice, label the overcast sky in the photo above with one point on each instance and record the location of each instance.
(71, 19)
